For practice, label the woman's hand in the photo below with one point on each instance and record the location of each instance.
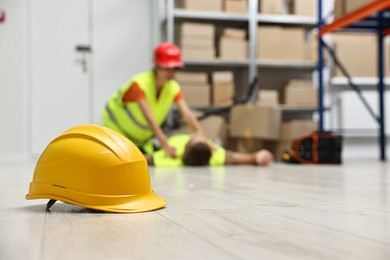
(263, 157)
(170, 151)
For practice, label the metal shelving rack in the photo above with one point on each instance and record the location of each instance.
(252, 19)
(374, 17)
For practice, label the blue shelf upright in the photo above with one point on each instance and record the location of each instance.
(373, 16)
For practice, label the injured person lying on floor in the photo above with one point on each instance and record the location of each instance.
(196, 150)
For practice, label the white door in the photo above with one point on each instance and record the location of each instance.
(69, 87)
(60, 81)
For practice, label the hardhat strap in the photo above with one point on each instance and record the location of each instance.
(49, 204)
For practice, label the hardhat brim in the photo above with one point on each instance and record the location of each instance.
(170, 65)
(147, 202)
(121, 204)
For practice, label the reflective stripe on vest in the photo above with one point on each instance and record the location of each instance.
(139, 124)
(160, 159)
(129, 116)
(123, 131)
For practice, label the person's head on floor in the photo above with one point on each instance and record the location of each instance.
(197, 151)
(167, 59)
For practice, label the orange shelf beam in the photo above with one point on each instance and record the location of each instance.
(354, 16)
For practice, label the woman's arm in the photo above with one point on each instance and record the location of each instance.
(189, 117)
(158, 132)
(262, 157)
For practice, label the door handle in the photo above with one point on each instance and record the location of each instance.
(83, 48)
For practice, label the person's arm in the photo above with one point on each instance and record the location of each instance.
(262, 157)
(149, 159)
(189, 117)
(158, 132)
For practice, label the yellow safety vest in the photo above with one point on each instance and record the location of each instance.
(128, 119)
(160, 159)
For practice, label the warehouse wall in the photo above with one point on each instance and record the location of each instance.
(13, 80)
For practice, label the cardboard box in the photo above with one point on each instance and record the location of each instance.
(269, 42)
(191, 77)
(234, 33)
(202, 5)
(300, 93)
(343, 7)
(197, 41)
(235, 49)
(255, 121)
(303, 7)
(198, 54)
(357, 53)
(222, 89)
(339, 8)
(293, 43)
(268, 97)
(292, 129)
(273, 7)
(196, 95)
(222, 94)
(198, 30)
(193, 42)
(351, 5)
(236, 6)
(223, 77)
(281, 43)
(215, 128)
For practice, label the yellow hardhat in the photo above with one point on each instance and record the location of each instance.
(94, 167)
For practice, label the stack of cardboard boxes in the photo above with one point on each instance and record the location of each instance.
(197, 41)
(222, 89)
(254, 127)
(365, 64)
(299, 93)
(199, 92)
(274, 42)
(195, 87)
(357, 52)
(233, 44)
(284, 43)
(255, 121)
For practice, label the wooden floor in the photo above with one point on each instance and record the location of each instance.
(276, 212)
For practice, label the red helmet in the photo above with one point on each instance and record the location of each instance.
(167, 55)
